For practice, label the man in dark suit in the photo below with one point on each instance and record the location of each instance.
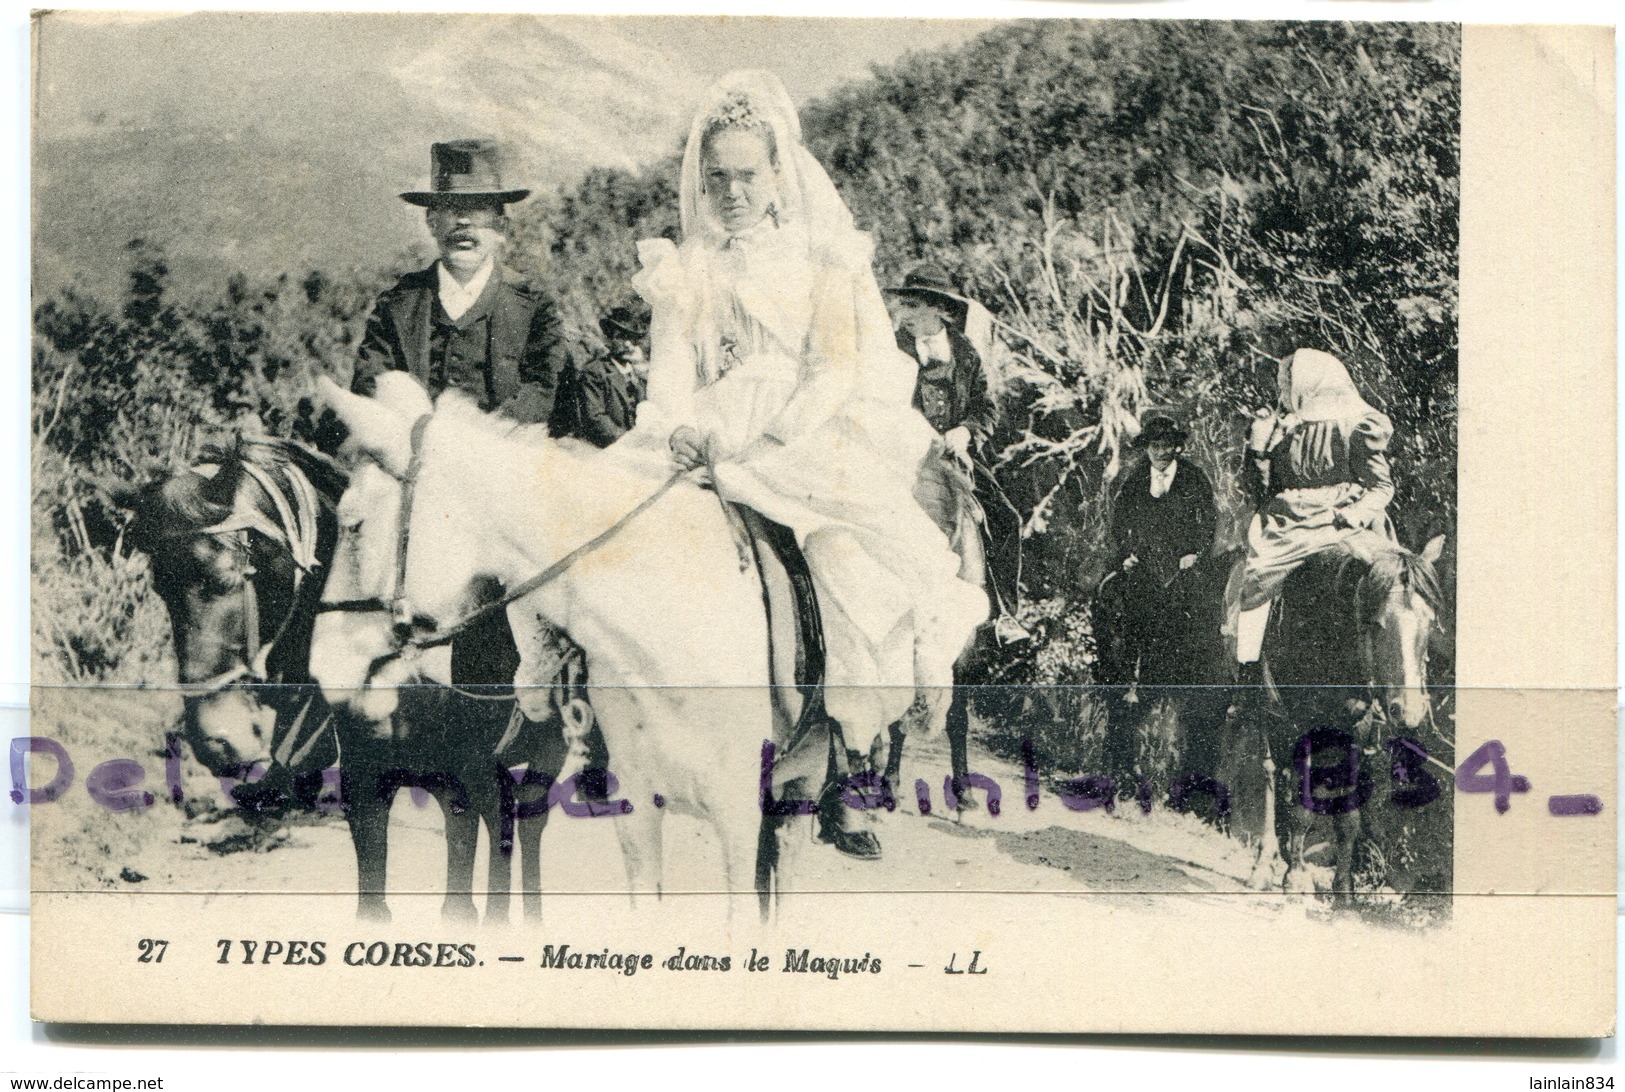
(1158, 612)
(598, 401)
(1163, 520)
(466, 323)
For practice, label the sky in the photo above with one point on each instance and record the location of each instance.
(276, 142)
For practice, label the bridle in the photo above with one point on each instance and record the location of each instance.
(414, 633)
(402, 620)
(1376, 712)
(295, 528)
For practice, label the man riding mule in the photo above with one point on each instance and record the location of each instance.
(467, 323)
(1158, 603)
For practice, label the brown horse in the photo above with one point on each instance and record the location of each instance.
(240, 548)
(947, 491)
(1347, 726)
(236, 546)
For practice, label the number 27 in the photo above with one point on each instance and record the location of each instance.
(152, 951)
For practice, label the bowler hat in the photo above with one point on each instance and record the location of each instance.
(929, 282)
(624, 323)
(463, 171)
(1159, 427)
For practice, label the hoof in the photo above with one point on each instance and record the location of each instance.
(1297, 882)
(376, 912)
(463, 912)
(1266, 874)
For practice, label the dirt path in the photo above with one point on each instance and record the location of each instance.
(1138, 858)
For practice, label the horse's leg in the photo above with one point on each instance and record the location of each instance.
(499, 863)
(894, 754)
(1295, 822)
(528, 840)
(640, 836)
(958, 728)
(462, 835)
(368, 818)
(767, 865)
(741, 854)
(1262, 877)
(528, 832)
(1347, 830)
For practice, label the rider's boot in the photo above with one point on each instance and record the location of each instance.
(1247, 696)
(838, 824)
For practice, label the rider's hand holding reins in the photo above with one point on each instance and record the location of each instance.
(689, 449)
(958, 440)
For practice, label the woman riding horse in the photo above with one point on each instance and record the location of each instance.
(775, 365)
(1317, 470)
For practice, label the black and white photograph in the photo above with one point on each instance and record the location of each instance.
(494, 474)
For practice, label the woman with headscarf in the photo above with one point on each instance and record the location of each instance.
(1317, 469)
(773, 364)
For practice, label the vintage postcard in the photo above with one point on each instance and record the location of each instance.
(657, 522)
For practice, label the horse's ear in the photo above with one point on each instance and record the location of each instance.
(1433, 550)
(374, 427)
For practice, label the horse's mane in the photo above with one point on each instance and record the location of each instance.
(1374, 579)
(465, 413)
(462, 415)
(328, 477)
(186, 501)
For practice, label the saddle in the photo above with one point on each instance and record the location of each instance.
(795, 629)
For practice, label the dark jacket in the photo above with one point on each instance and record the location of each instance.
(507, 350)
(597, 402)
(1161, 530)
(953, 394)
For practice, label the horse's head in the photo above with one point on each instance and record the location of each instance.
(219, 582)
(1399, 604)
(407, 556)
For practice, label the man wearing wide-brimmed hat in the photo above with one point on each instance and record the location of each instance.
(598, 400)
(466, 322)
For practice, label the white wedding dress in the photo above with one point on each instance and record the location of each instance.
(781, 332)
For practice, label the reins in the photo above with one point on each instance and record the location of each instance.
(549, 574)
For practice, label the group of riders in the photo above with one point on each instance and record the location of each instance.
(768, 365)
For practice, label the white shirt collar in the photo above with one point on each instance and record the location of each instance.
(934, 347)
(1163, 480)
(458, 298)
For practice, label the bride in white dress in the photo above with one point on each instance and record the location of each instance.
(774, 363)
